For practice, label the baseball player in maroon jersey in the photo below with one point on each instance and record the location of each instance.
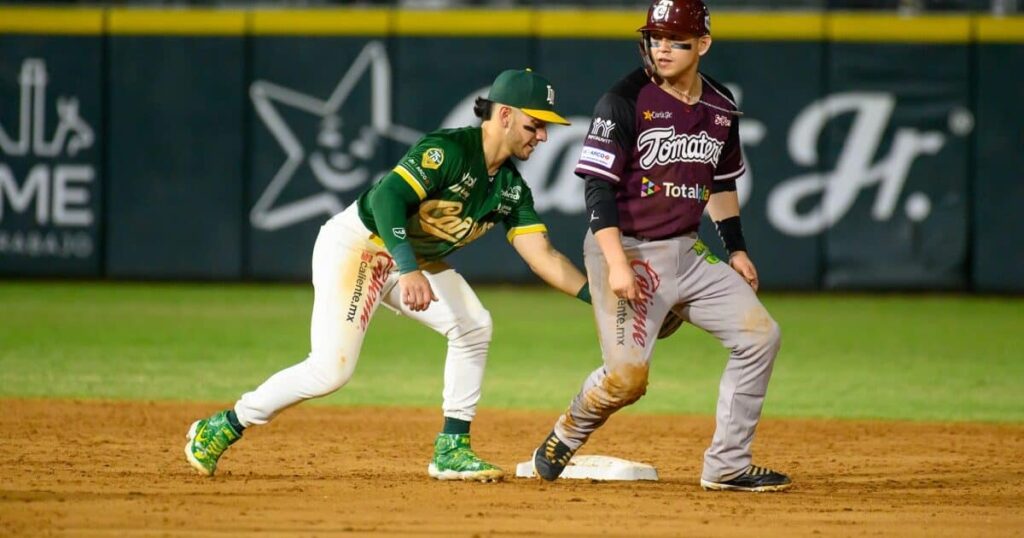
(663, 145)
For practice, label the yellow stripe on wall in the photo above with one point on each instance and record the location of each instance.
(68, 21)
(892, 28)
(623, 24)
(869, 27)
(360, 22)
(578, 23)
(1000, 29)
(195, 22)
(769, 26)
(497, 23)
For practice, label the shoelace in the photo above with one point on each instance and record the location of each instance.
(550, 450)
(754, 470)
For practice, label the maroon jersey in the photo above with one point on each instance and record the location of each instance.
(663, 156)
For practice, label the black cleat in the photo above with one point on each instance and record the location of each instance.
(551, 457)
(753, 479)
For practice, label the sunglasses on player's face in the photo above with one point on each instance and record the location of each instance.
(658, 41)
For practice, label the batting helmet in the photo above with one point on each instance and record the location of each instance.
(682, 17)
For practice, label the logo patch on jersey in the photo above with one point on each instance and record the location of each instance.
(602, 128)
(433, 158)
(693, 192)
(594, 155)
(651, 115)
(661, 145)
(443, 219)
(512, 193)
(648, 188)
(723, 120)
(702, 250)
(462, 188)
(399, 232)
(420, 173)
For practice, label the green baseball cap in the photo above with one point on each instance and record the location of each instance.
(528, 92)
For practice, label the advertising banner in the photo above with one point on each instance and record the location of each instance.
(879, 155)
(895, 131)
(51, 177)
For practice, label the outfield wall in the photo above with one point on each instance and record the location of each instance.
(885, 152)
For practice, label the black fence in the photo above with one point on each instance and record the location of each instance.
(884, 153)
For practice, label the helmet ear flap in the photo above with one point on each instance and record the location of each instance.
(646, 60)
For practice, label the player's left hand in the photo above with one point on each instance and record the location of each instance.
(416, 291)
(741, 263)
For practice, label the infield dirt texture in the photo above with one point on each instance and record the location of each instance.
(113, 469)
(99, 383)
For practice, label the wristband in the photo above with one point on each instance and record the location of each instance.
(731, 232)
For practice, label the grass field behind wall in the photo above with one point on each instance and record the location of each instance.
(879, 356)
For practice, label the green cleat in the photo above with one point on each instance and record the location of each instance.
(207, 440)
(455, 460)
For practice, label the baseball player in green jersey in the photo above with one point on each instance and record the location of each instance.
(448, 190)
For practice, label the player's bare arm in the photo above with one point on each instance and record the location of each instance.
(548, 263)
(726, 205)
(620, 276)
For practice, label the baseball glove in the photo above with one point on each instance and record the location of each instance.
(670, 325)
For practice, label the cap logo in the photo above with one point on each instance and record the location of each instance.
(551, 95)
(660, 12)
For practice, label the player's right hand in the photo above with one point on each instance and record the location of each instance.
(416, 291)
(622, 281)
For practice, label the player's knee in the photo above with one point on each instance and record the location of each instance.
(768, 340)
(774, 339)
(475, 331)
(761, 335)
(627, 383)
(329, 371)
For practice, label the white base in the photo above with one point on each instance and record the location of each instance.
(593, 467)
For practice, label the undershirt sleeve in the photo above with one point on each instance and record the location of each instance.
(601, 207)
(392, 203)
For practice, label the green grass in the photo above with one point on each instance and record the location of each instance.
(886, 356)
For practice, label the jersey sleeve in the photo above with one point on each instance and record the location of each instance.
(730, 165)
(608, 144)
(423, 167)
(523, 218)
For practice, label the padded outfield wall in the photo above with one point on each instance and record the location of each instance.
(885, 152)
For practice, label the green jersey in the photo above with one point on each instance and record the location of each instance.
(459, 202)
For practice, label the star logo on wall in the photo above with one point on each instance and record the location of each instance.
(338, 163)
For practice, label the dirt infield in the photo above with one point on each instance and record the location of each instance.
(113, 469)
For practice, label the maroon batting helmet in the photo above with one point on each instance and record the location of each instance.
(682, 17)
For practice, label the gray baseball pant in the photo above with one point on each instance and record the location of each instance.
(682, 275)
